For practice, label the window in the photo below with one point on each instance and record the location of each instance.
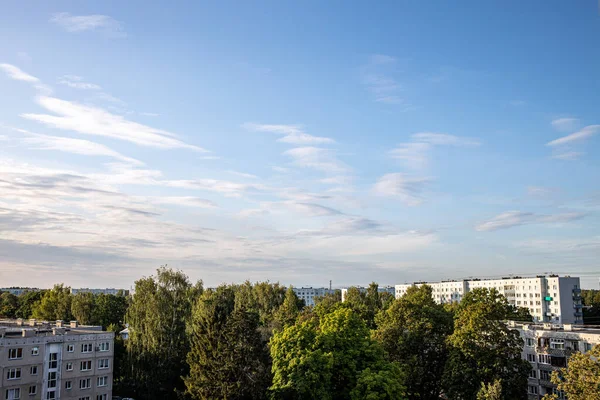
(70, 348)
(103, 363)
(587, 346)
(14, 354)
(545, 375)
(69, 385)
(84, 398)
(35, 351)
(33, 370)
(85, 365)
(13, 373)
(87, 348)
(532, 389)
(32, 390)
(102, 381)
(69, 366)
(102, 396)
(53, 361)
(544, 359)
(51, 379)
(85, 383)
(557, 343)
(533, 374)
(50, 395)
(530, 342)
(13, 394)
(105, 346)
(531, 357)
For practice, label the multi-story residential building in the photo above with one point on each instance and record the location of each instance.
(381, 289)
(308, 294)
(112, 291)
(17, 291)
(43, 361)
(553, 298)
(548, 347)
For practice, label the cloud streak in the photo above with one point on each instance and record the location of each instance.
(580, 135)
(17, 74)
(95, 22)
(407, 189)
(292, 134)
(511, 219)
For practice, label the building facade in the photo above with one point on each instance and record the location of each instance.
(547, 347)
(381, 289)
(42, 361)
(112, 291)
(308, 294)
(17, 291)
(553, 298)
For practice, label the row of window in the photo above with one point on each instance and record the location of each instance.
(16, 353)
(86, 383)
(13, 394)
(52, 396)
(15, 373)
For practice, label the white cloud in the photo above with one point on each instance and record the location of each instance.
(406, 189)
(243, 174)
(443, 139)
(17, 74)
(316, 158)
(149, 114)
(96, 121)
(582, 134)
(565, 124)
(293, 134)
(81, 23)
(184, 201)
(541, 191)
(510, 219)
(568, 156)
(71, 145)
(77, 82)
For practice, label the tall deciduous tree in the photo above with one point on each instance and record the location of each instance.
(414, 331)
(55, 304)
(9, 304)
(484, 349)
(110, 309)
(490, 391)
(288, 312)
(228, 358)
(82, 307)
(28, 301)
(158, 343)
(581, 379)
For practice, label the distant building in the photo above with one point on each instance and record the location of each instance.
(381, 289)
(99, 291)
(42, 361)
(17, 291)
(124, 333)
(308, 294)
(548, 347)
(548, 298)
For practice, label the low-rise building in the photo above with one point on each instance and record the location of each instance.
(48, 361)
(548, 347)
(308, 294)
(553, 298)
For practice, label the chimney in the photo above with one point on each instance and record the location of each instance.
(568, 327)
(547, 326)
(60, 323)
(74, 324)
(19, 321)
(32, 322)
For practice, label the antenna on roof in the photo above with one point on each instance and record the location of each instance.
(330, 285)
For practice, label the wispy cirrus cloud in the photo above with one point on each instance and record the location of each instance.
(17, 74)
(89, 120)
(405, 188)
(511, 219)
(77, 82)
(316, 158)
(376, 77)
(292, 134)
(582, 134)
(565, 124)
(95, 22)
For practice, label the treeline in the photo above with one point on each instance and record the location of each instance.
(258, 341)
(59, 304)
(591, 313)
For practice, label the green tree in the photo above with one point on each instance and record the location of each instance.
(520, 314)
(289, 310)
(581, 379)
(384, 383)
(82, 307)
(28, 301)
(228, 358)
(158, 343)
(414, 331)
(110, 309)
(491, 391)
(55, 304)
(484, 349)
(9, 304)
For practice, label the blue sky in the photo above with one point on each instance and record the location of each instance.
(298, 142)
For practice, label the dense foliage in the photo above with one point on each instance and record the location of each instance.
(581, 379)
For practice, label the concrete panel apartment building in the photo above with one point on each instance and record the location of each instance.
(552, 298)
(44, 361)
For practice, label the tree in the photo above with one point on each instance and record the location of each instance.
(521, 314)
(413, 331)
(289, 310)
(9, 304)
(384, 383)
(484, 349)
(158, 343)
(228, 358)
(324, 357)
(581, 379)
(491, 391)
(55, 304)
(28, 301)
(110, 309)
(82, 307)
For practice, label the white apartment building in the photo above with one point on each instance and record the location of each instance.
(548, 347)
(308, 294)
(112, 291)
(550, 298)
(43, 361)
(381, 289)
(17, 291)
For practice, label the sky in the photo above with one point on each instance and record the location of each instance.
(298, 142)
